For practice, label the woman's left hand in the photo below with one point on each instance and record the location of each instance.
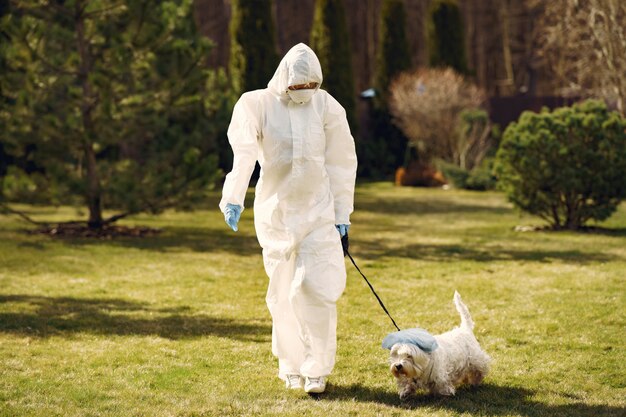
(342, 229)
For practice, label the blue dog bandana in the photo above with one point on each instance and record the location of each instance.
(418, 337)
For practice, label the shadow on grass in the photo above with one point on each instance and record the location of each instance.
(31, 245)
(398, 205)
(57, 316)
(376, 250)
(187, 238)
(445, 206)
(603, 231)
(485, 400)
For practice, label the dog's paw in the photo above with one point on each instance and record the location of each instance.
(476, 378)
(445, 390)
(404, 395)
(406, 391)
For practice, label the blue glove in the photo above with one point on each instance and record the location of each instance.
(342, 229)
(232, 213)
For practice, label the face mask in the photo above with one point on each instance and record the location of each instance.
(301, 96)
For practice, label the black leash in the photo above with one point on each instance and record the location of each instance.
(345, 243)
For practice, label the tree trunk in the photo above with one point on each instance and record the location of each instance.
(572, 221)
(509, 81)
(93, 190)
(556, 225)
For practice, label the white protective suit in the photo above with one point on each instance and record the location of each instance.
(306, 187)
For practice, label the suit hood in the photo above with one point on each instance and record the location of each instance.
(299, 66)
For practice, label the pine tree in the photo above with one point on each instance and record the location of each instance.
(393, 50)
(5, 159)
(253, 56)
(331, 43)
(109, 103)
(387, 149)
(445, 34)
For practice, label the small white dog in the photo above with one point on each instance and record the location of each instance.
(451, 359)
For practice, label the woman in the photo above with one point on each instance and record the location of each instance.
(303, 200)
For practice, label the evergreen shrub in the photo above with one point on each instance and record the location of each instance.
(567, 166)
(331, 43)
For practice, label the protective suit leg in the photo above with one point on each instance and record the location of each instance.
(319, 281)
(287, 345)
(302, 295)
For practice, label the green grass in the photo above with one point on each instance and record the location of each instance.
(176, 325)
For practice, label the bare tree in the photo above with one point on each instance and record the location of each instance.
(584, 43)
(499, 42)
(431, 105)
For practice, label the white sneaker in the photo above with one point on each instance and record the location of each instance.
(315, 385)
(293, 381)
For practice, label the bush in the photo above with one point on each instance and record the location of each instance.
(567, 166)
(440, 112)
(480, 178)
(384, 150)
(454, 174)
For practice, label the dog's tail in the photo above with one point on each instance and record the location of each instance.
(466, 318)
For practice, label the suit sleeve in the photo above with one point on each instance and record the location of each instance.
(341, 161)
(243, 133)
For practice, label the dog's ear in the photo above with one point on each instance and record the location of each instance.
(394, 349)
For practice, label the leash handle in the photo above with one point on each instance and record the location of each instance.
(345, 251)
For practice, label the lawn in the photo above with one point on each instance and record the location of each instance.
(176, 325)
